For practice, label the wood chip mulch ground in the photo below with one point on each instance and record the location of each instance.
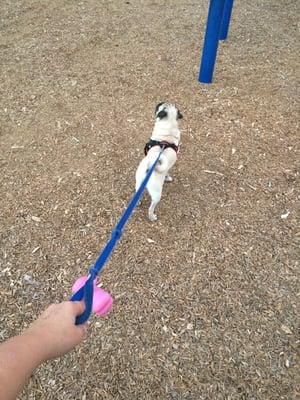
(205, 298)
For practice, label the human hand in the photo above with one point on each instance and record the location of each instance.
(54, 333)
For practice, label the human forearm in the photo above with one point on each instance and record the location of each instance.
(53, 334)
(19, 357)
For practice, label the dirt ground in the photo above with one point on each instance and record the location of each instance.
(206, 298)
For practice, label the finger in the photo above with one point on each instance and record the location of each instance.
(78, 307)
(82, 329)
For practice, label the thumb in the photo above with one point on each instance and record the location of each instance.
(78, 307)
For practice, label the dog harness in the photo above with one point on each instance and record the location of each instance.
(163, 144)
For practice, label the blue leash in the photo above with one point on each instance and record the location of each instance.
(86, 293)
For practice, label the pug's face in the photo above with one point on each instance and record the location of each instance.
(167, 111)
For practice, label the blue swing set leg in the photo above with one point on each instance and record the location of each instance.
(217, 26)
(226, 19)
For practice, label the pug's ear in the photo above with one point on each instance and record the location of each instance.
(162, 114)
(179, 115)
(157, 107)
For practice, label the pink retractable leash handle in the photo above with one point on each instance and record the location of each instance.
(102, 301)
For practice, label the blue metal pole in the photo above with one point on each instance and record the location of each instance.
(226, 19)
(211, 40)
